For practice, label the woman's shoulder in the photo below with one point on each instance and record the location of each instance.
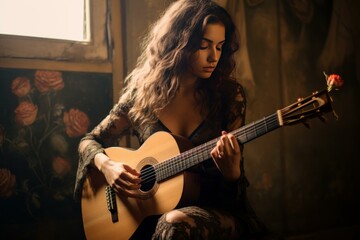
(233, 105)
(233, 90)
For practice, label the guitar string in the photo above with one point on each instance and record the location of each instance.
(150, 174)
(247, 131)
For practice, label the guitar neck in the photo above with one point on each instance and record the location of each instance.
(201, 153)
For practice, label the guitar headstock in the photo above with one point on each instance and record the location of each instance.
(306, 108)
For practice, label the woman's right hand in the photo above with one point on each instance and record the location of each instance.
(120, 176)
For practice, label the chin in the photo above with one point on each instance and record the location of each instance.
(205, 75)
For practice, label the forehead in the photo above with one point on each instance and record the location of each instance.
(214, 32)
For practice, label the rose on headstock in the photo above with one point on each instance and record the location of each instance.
(333, 81)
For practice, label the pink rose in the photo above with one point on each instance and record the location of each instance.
(7, 183)
(48, 80)
(60, 166)
(77, 123)
(25, 113)
(20, 86)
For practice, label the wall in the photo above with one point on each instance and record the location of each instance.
(304, 180)
(42, 101)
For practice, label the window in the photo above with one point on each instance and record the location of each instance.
(93, 43)
(65, 19)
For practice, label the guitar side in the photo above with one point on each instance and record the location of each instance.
(164, 197)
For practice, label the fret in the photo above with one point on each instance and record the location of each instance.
(257, 128)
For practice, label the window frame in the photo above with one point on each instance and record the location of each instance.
(64, 50)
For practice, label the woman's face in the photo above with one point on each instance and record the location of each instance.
(204, 61)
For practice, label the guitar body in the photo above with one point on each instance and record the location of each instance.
(160, 198)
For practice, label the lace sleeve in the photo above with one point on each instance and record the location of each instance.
(103, 135)
(237, 109)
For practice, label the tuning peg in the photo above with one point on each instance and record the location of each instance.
(306, 124)
(322, 118)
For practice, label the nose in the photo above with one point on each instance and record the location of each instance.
(213, 55)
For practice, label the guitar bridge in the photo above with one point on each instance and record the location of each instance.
(111, 203)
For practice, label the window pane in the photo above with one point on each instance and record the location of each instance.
(55, 19)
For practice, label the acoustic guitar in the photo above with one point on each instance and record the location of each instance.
(165, 182)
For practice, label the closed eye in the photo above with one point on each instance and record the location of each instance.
(205, 44)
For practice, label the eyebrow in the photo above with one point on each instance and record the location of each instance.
(211, 41)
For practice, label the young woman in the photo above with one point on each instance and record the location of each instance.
(183, 85)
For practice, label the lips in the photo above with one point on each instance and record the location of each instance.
(209, 69)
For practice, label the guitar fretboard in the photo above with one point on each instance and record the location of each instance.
(194, 156)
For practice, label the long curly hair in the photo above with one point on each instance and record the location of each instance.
(166, 52)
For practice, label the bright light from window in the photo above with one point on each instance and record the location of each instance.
(55, 19)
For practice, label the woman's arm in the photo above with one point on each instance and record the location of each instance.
(91, 147)
(227, 153)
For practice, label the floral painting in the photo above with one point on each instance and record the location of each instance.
(43, 115)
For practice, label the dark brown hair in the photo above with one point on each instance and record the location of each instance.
(166, 51)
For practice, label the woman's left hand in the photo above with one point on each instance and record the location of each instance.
(227, 156)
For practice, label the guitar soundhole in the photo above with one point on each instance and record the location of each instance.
(148, 178)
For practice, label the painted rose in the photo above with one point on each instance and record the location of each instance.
(48, 80)
(7, 183)
(25, 113)
(60, 166)
(76, 122)
(20, 86)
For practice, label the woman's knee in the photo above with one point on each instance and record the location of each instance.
(176, 216)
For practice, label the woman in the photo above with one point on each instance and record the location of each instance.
(182, 84)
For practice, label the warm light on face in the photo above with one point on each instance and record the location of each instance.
(204, 61)
(55, 19)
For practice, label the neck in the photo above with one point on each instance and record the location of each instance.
(187, 85)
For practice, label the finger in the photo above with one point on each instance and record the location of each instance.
(220, 148)
(131, 170)
(227, 148)
(125, 185)
(234, 143)
(131, 175)
(214, 153)
(127, 180)
(216, 158)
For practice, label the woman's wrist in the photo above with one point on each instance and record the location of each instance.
(99, 160)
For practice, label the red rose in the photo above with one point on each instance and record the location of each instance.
(7, 183)
(20, 86)
(25, 113)
(48, 80)
(60, 166)
(333, 81)
(77, 123)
